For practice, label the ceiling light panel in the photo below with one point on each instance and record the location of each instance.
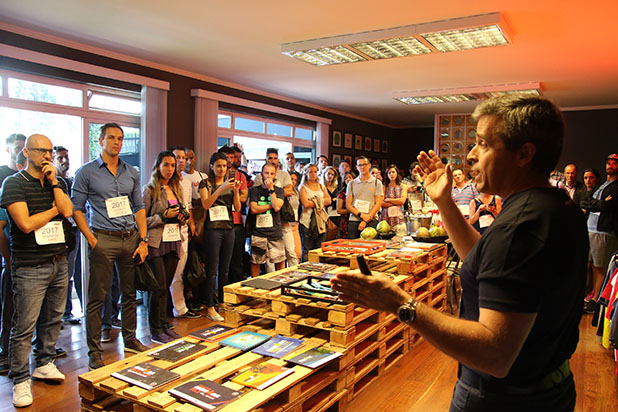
(465, 94)
(326, 55)
(390, 48)
(465, 39)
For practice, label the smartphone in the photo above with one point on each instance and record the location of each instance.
(362, 265)
(231, 174)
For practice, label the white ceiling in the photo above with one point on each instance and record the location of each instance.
(571, 47)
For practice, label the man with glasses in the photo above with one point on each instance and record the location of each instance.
(364, 198)
(112, 189)
(37, 202)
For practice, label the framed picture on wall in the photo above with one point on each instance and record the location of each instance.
(367, 146)
(348, 159)
(376, 145)
(347, 142)
(336, 159)
(384, 165)
(384, 146)
(358, 142)
(336, 138)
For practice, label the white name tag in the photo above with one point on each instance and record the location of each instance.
(362, 205)
(485, 220)
(218, 213)
(49, 234)
(465, 210)
(171, 232)
(394, 211)
(118, 206)
(264, 220)
(296, 215)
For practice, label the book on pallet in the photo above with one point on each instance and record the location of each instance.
(205, 393)
(278, 347)
(213, 333)
(146, 376)
(314, 357)
(245, 340)
(261, 376)
(316, 266)
(176, 351)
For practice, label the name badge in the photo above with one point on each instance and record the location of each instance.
(218, 213)
(362, 205)
(296, 215)
(394, 211)
(118, 206)
(485, 220)
(171, 232)
(465, 210)
(264, 220)
(49, 234)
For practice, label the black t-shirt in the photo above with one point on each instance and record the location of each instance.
(260, 195)
(532, 259)
(225, 199)
(5, 172)
(22, 187)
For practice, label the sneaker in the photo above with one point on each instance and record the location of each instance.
(22, 394)
(216, 317)
(172, 334)
(135, 346)
(196, 308)
(116, 323)
(190, 315)
(591, 306)
(48, 372)
(71, 320)
(95, 361)
(106, 335)
(4, 364)
(60, 352)
(161, 338)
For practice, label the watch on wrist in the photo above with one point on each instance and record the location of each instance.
(271, 191)
(407, 312)
(143, 239)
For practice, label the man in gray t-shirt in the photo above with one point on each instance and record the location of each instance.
(364, 198)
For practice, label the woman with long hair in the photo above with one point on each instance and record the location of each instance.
(162, 200)
(341, 207)
(218, 195)
(330, 180)
(314, 199)
(395, 196)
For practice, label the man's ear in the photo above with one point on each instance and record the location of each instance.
(525, 154)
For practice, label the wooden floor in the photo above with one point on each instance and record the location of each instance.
(421, 381)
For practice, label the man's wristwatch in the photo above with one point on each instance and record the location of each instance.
(143, 239)
(407, 312)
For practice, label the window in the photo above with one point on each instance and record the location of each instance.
(305, 134)
(279, 129)
(249, 125)
(225, 121)
(41, 92)
(222, 141)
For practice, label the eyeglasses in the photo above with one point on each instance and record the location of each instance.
(41, 150)
(363, 164)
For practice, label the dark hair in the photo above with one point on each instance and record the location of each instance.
(225, 149)
(15, 136)
(155, 178)
(362, 158)
(272, 150)
(527, 119)
(269, 165)
(215, 156)
(21, 158)
(60, 149)
(458, 168)
(171, 149)
(594, 172)
(413, 165)
(290, 153)
(397, 179)
(324, 156)
(106, 126)
(236, 149)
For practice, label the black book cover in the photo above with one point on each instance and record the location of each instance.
(205, 393)
(177, 351)
(146, 376)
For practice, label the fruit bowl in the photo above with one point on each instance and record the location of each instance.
(386, 236)
(431, 239)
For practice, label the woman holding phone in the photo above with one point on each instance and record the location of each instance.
(218, 194)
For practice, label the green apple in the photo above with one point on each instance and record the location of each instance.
(422, 232)
(368, 233)
(383, 227)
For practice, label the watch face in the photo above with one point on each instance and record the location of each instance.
(405, 314)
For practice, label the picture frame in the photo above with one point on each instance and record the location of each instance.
(336, 138)
(367, 146)
(336, 159)
(348, 159)
(376, 145)
(347, 142)
(384, 146)
(358, 142)
(384, 165)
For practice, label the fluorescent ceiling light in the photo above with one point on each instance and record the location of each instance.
(466, 94)
(463, 33)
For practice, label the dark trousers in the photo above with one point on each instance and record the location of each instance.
(163, 268)
(237, 269)
(111, 310)
(353, 232)
(110, 251)
(75, 276)
(218, 244)
(310, 242)
(7, 310)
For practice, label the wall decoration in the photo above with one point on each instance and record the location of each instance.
(358, 142)
(336, 138)
(347, 142)
(384, 146)
(336, 159)
(376, 145)
(368, 142)
(348, 159)
(384, 165)
(455, 137)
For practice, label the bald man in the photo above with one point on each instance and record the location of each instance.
(37, 202)
(571, 184)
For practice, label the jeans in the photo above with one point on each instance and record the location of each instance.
(177, 288)
(39, 292)
(218, 244)
(290, 246)
(353, 232)
(310, 243)
(7, 310)
(163, 268)
(110, 251)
